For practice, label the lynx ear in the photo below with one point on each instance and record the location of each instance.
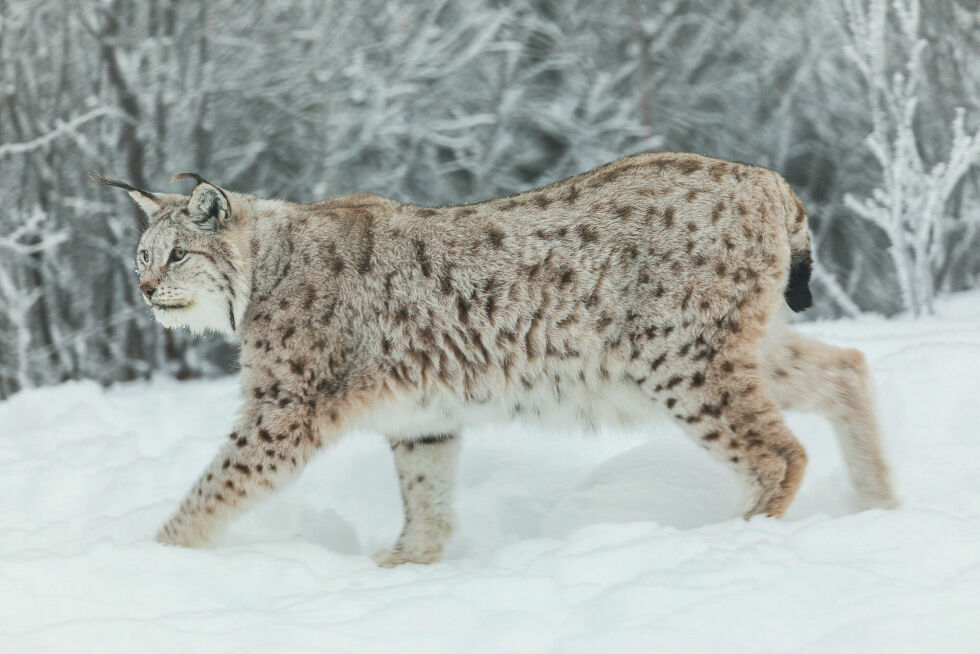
(146, 201)
(148, 204)
(208, 206)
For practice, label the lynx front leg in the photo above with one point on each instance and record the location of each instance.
(268, 449)
(426, 474)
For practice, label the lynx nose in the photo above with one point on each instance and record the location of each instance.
(147, 289)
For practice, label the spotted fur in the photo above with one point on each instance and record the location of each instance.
(654, 283)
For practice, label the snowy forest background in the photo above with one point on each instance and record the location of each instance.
(870, 109)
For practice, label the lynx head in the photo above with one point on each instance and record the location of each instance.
(191, 259)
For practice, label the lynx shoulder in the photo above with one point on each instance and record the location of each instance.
(653, 284)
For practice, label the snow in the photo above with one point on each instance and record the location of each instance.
(621, 543)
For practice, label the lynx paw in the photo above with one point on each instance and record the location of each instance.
(169, 535)
(397, 556)
(885, 501)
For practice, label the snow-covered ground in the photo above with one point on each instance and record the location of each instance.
(622, 543)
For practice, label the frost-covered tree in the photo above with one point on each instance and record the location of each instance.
(911, 203)
(20, 290)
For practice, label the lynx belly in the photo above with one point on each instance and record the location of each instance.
(575, 407)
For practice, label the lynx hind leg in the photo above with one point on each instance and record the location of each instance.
(426, 474)
(723, 406)
(802, 373)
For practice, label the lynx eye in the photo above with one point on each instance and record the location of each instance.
(177, 254)
(144, 255)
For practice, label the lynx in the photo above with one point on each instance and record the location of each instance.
(654, 283)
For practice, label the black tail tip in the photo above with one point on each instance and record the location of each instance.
(797, 294)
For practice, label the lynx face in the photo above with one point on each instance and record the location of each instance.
(191, 273)
(183, 276)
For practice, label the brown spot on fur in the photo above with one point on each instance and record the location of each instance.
(688, 166)
(490, 305)
(496, 237)
(463, 309)
(586, 233)
(712, 436)
(717, 171)
(717, 211)
(572, 194)
(422, 258)
(570, 319)
(708, 353)
(668, 219)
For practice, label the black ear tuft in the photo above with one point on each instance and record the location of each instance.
(197, 178)
(146, 201)
(105, 181)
